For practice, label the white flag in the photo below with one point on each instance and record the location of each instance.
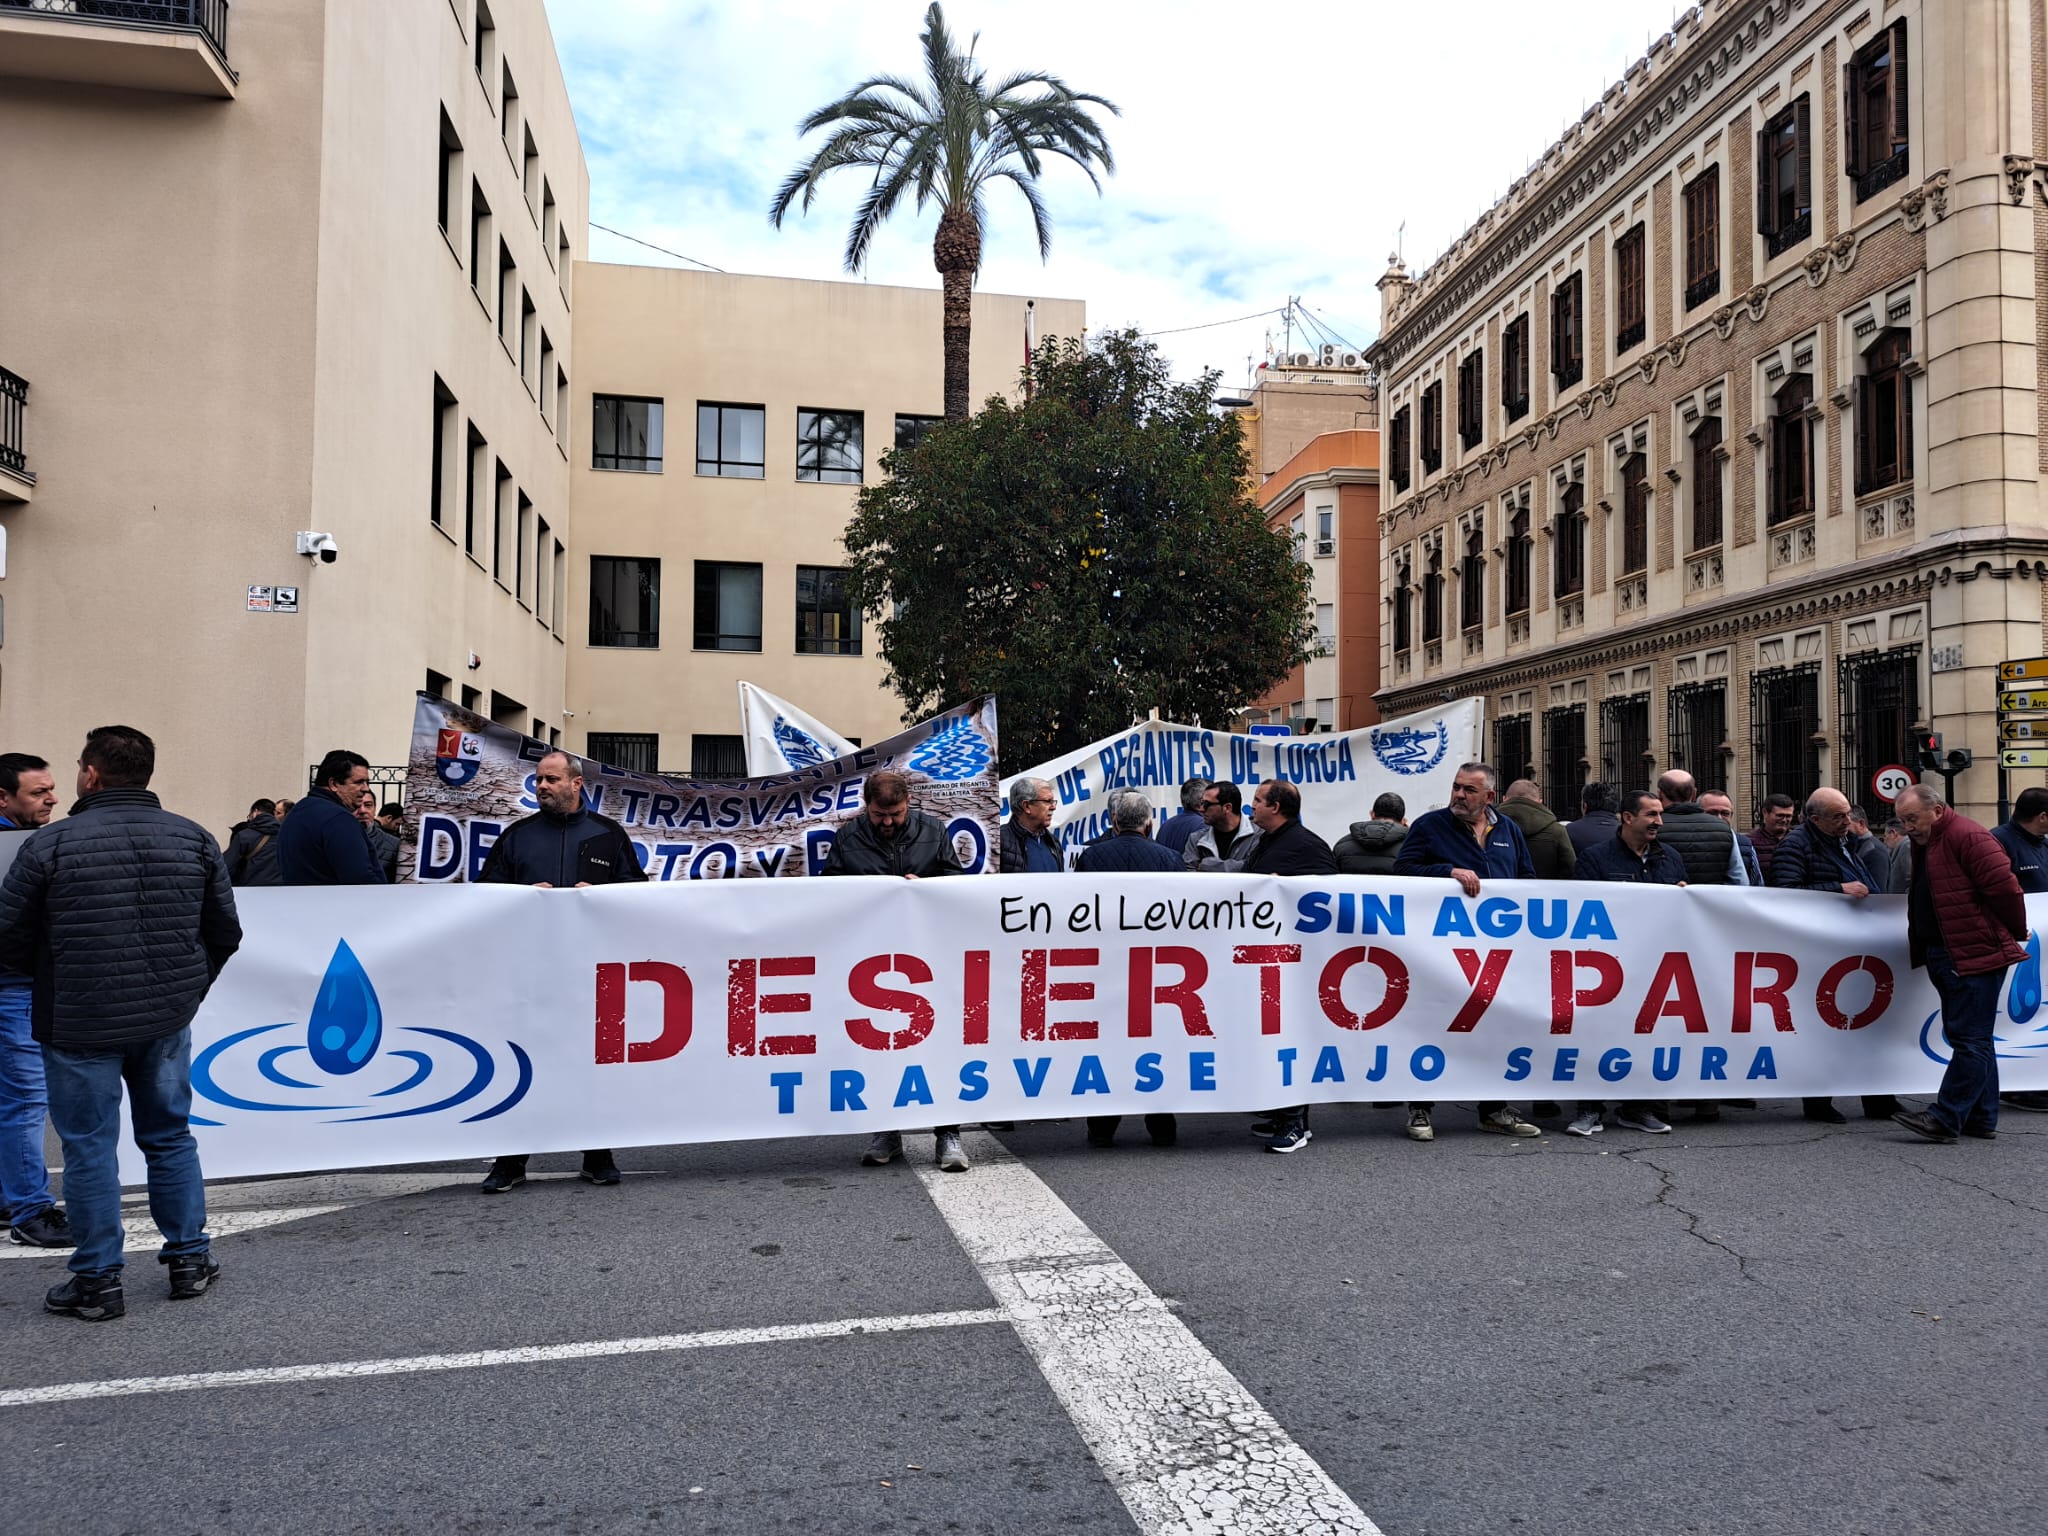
(780, 737)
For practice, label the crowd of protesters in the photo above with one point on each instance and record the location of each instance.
(115, 920)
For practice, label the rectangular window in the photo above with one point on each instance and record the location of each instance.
(628, 751)
(828, 446)
(446, 416)
(1326, 632)
(1703, 237)
(529, 338)
(1472, 582)
(728, 606)
(1784, 183)
(1784, 714)
(1625, 742)
(543, 574)
(508, 111)
(1630, 310)
(827, 622)
(1432, 435)
(718, 757)
(1472, 398)
(438, 683)
(1433, 601)
(1635, 515)
(1564, 758)
(1514, 748)
(529, 173)
(479, 243)
(486, 34)
(503, 515)
(472, 699)
(1326, 530)
(911, 430)
(449, 198)
(731, 440)
(1520, 558)
(550, 217)
(476, 512)
(625, 433)
(1880, 705)
(562, 406)
(562, 258)
(522, 541)
(1791, 487)
(1706, 484)
(625, 602)
(1874, 115)
(1699, 727)
(1571, 542)
(508, 295)
(1884, 416)
(1397, 449)
(1404, 608)
(559, 563)
(1514, 368)
(1568, 331)
(547, 379)
(506, 710)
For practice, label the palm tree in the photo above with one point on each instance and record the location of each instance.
(946, 141)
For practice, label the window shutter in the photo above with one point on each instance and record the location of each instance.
(1898, 85)
(1905, 426)
(1805, 131)
(1765, 184)
(1866, 434)
(1852, 120)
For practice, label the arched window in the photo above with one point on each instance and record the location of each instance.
(1884, 415)
(1792, 449)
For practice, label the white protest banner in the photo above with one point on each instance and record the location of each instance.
(468, 779)
(370, 1026)
(1339, 774)
(781, 738)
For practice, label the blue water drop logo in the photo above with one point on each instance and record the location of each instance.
(2023, 998)
(347, 1021)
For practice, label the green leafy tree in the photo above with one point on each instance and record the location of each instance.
(947, 141)
(1086, 555)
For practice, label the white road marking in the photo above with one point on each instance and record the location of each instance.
(142, 1235)
(534, 1354)
(1187, 1448)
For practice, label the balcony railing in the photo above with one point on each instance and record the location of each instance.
(208, 18)
(13, 424)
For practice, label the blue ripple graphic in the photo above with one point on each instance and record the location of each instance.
(476, 1085)
(202, 1075)
(518, 1092)
(422, 1065)
(267, 1065)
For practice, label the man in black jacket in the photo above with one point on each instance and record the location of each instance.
(1286, 847)
(123, 915)
(321, 842)
(889, 838)
(1596, 822)
(1371, 847)
(28, 798)
(1025, 845)
(252, 846)
(562, 847)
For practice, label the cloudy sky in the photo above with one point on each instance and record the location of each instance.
(1264, 150)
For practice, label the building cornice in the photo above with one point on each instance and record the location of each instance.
(1318, 479)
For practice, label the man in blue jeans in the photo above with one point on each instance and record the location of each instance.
(1966, 921)
(28, 797)
(122, 915)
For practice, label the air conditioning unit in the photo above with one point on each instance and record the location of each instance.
(1329, 355)
(1326, 546)
(1302, 360)
(1351, 360)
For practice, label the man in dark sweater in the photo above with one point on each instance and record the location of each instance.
(1596, 822)
(1025, 845)
(321, 842)
(1286, 847)
(1130, 849)
(1173, 837)
(123, 914)
(563, 846)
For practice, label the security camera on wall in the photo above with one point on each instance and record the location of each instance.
(321, 545)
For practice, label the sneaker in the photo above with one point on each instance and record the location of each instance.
(883, 1147)
(46, 1228)
(1505, 1122)
(1634, 1117)
(191, 1273)
(505, 1174)
(1924, 1125)
(948, 1154)
(95, 1298)
(1292, 1139)
(1419, 1127)
(601, 1171)
(1588, 1124)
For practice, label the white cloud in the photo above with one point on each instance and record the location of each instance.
(1262, 151)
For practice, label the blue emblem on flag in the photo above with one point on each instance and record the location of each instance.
(953, 752)
(1410, 749)
(800, 749)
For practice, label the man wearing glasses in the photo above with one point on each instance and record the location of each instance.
(1714, 803)
(1227, 839)
(1026, 846)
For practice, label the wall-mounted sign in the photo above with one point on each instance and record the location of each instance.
(286, 600)
(260, 599)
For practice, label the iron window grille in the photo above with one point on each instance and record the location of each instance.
(1879, 704)
(628, 751)
(1514, 748)
(1625, 741)
(1784, 715)
(1564, 758)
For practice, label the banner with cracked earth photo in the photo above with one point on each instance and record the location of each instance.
(362, 1026)
(1339, 773)
(468, 779)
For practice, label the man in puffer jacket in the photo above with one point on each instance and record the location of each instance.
(123, 915)
(1371, 847)
(252, 847)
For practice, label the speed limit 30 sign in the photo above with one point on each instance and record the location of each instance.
(1890, 782)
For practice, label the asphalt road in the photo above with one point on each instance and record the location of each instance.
(1760, 1326)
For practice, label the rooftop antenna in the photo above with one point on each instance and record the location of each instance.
(1400, 235)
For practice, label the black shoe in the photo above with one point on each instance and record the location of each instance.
(191, 1273)
(1879, 1106)
(1738, 1103)
(95, 1298)
(1101, 1138)
(1825, 1112)
(600, 1170)
(1705, 1114)
(1924, 1125)
(1266, 1128)
(46, 1228)
(2033, 1099)
(505, 1174)
(1544, 1109)
(1163, 1129)
(1981, 1132)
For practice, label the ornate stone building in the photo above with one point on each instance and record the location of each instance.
(1717, 443)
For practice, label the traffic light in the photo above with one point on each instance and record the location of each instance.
(1928, 744)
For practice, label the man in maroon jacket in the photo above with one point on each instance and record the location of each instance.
(1966, 921)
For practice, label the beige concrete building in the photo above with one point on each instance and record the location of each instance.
(1297, 398)
(726, 424)
(309, 275)
(1717, 443)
